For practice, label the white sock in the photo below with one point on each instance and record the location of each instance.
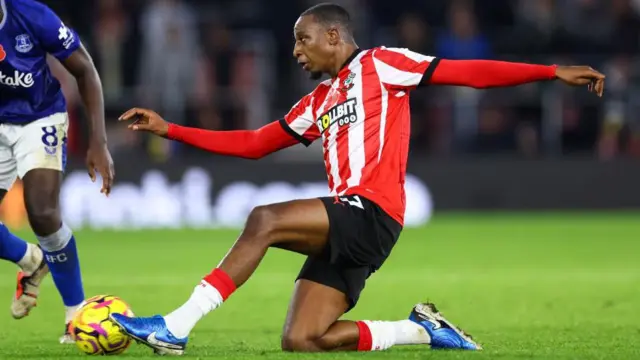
(56, 241)
(70, 312)
(31, 259)
(203, 300)
(385, 334)
(409, 333)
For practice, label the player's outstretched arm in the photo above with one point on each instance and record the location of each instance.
(248, 144)
(81, 66)
(482, 74)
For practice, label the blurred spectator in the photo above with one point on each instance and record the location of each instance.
(462, 40)
(587, 22)
(538, 30)
(111, 29)
(219, 98)
(626, 27)
(620, 112)
(415, 33)
(170, 52)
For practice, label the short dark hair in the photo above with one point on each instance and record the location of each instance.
(330, 14)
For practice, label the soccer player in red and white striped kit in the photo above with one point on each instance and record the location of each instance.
(361, 115)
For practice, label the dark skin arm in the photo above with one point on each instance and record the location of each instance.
(81, 66)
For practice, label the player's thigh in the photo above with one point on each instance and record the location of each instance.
(361, 237)
(299, 225)
(42, 144)
(313, 309)
(40, 152)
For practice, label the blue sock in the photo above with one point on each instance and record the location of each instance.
(61, 255)
(12, 248)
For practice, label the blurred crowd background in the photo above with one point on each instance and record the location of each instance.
(227, 64)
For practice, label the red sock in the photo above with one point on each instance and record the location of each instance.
(365, 341)
(221, 282)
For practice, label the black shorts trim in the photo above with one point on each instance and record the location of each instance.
(295, 135)
(426, 77)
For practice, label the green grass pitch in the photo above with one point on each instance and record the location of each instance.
(546, 286)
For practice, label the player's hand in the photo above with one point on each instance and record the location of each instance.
(99, 158)
(580, 76)
(146, 120)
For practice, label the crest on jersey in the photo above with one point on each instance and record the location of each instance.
(348, 82)
(23, 43)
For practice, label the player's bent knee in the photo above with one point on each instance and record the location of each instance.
(297, 343)
(304, 343)
(44, 213)
(261, 224)
(44, 219)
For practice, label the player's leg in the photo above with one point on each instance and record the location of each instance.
(361, 238)
(33, 269)
(313, 314)
(312, 325)
(27, 256)
(323, 293)
(301, 226)
(12, 248)
(41, 156)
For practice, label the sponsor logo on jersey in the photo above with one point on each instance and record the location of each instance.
(342, 114)
(23, 43)
(17, 79)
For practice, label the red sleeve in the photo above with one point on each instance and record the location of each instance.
(248, 144)
(482, 74)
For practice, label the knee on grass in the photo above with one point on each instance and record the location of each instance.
(297, 343)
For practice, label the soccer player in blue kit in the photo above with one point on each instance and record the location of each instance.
(33, 136)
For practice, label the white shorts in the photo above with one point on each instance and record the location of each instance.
(41, 144)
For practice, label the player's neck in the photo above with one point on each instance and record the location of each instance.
(344, 57)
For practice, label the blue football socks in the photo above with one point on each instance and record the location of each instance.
(61, 255)
(12, 248)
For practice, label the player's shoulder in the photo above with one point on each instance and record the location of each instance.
(316, 96)
(400, 54)
(392, 50)
(385, 52)
(324, 84)
(320, 89)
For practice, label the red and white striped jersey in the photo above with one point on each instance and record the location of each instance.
(362, 116)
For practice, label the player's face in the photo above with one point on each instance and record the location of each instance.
(313, 48)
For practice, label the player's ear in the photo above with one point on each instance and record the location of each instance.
(333, 36)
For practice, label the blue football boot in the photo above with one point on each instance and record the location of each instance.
(444, 335)
(151, 331)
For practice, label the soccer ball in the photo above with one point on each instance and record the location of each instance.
(93, 330)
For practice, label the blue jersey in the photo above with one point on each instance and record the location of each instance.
(29, 31)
